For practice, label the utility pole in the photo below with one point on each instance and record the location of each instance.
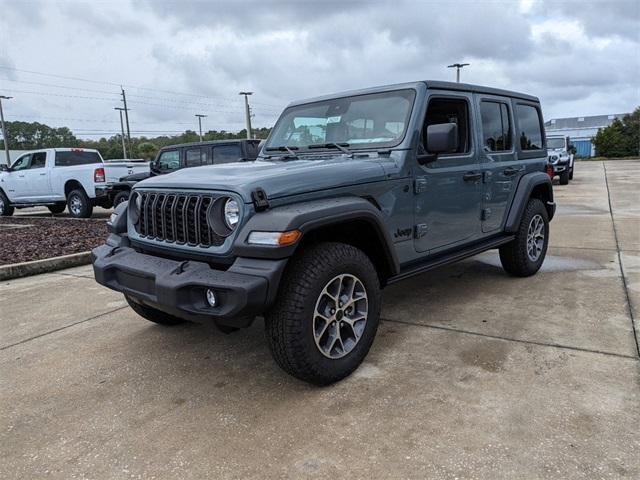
(247, 112)
(126, 116)
(5, 137)
(200, 117)
(124, 149)
(458, 67)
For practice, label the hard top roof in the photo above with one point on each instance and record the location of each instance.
(209, 142)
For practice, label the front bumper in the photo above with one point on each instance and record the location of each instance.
(560, 167)
(178, 288)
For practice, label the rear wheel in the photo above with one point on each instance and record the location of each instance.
(326, 314)
(564, 178)
(79, 204)
(56, 209)
(524, 255)
(6, 210)
(151, 314)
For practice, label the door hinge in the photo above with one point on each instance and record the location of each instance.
(420, 230)
(420, 185)
(486, 213)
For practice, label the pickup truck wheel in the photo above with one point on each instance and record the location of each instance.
(524, 255)
(151, 314)
(6, 210)
(564, 178)
(326, 315)
(56, 209)
(121, 197)
(79, 204)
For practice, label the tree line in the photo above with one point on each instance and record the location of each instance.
(34, 135)
(621, 138)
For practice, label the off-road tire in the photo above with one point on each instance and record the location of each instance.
(153, 315)
(84, 207)
(289, 323)
(513, 255)
(120, 198)
(564, 178)
(571, 174)
(57, 209)
(6, 210)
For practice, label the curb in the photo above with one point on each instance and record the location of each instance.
(35, 267)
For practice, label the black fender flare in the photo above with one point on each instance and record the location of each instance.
(313, 215)
(528, 183)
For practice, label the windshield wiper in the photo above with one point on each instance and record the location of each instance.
(340, 146)
(284, 148)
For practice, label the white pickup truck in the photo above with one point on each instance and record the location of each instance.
(61, 177)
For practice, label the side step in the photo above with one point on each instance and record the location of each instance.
(452, 257)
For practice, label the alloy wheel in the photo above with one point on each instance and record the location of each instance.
(535, 237)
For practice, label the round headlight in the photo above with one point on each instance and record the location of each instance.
(231, 213)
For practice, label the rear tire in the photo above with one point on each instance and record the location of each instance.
(56, 209)
(564, 178)
(79, 204)
(120, 197)
(6, 210)
(326, 315)
(523, 256)
(153, 315)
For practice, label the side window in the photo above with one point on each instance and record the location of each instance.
(169, 160)
(496, 126)
(529, 129)
(449, 110)
(252, 150)
(195, 157)
(22, 163)
(226, 154)
(38, 160)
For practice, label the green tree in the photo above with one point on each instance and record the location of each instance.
(621, 138)
(147, 150)
(33, 135)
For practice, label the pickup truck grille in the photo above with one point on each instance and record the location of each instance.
(175, 217)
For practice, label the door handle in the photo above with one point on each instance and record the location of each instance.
(472, 176)
(511, 171)
(42, 174)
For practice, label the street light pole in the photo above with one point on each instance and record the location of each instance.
(458, 67)
(200, 117)
(124, 149)
(4, 130)
(247, 112)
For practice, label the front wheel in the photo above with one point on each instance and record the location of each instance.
(564, 178)
(524, 255)
(571, 174)
(120, 197)
(79, 204)
(326, 315)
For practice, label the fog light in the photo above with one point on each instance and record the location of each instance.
(211, 297)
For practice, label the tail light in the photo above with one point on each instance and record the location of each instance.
(550, 171)
(98, 175)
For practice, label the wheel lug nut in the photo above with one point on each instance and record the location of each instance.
(333, 311)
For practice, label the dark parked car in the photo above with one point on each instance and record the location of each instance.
(185, 155)
(351, 192)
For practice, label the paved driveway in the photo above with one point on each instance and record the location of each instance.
(473, 374)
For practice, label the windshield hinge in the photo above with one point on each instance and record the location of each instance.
(420, 185)
(260, 201)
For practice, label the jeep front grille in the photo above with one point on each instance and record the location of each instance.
(176, 217)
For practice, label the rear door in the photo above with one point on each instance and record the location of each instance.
(195, 157)
(501, 169)
(227, 153)
(448, 189)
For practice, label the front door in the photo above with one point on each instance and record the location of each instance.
(448, 189)
(15, 182)
(500, 166)
(36, 178)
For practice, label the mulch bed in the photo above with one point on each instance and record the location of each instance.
(25, 239)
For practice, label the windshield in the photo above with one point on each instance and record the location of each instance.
(555, 143)
(373, 120)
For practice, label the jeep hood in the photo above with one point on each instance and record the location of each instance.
(277, 178)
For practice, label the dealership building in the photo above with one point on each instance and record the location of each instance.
(580, 130)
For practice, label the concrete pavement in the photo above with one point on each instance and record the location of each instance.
(473, 374)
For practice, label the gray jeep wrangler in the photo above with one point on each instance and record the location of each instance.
(350, 193)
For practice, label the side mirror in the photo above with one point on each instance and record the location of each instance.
(4, 168)
(442, 138)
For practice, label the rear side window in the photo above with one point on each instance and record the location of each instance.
(195, 157)
(226, 154)
(496, 127)
(72, 158)
(38, 160)
(529, 127)
(252, 149)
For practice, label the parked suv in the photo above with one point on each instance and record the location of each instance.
(350, 193)
(561, 154)
(184, 155)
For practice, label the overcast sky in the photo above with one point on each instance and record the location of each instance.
(580, 57)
